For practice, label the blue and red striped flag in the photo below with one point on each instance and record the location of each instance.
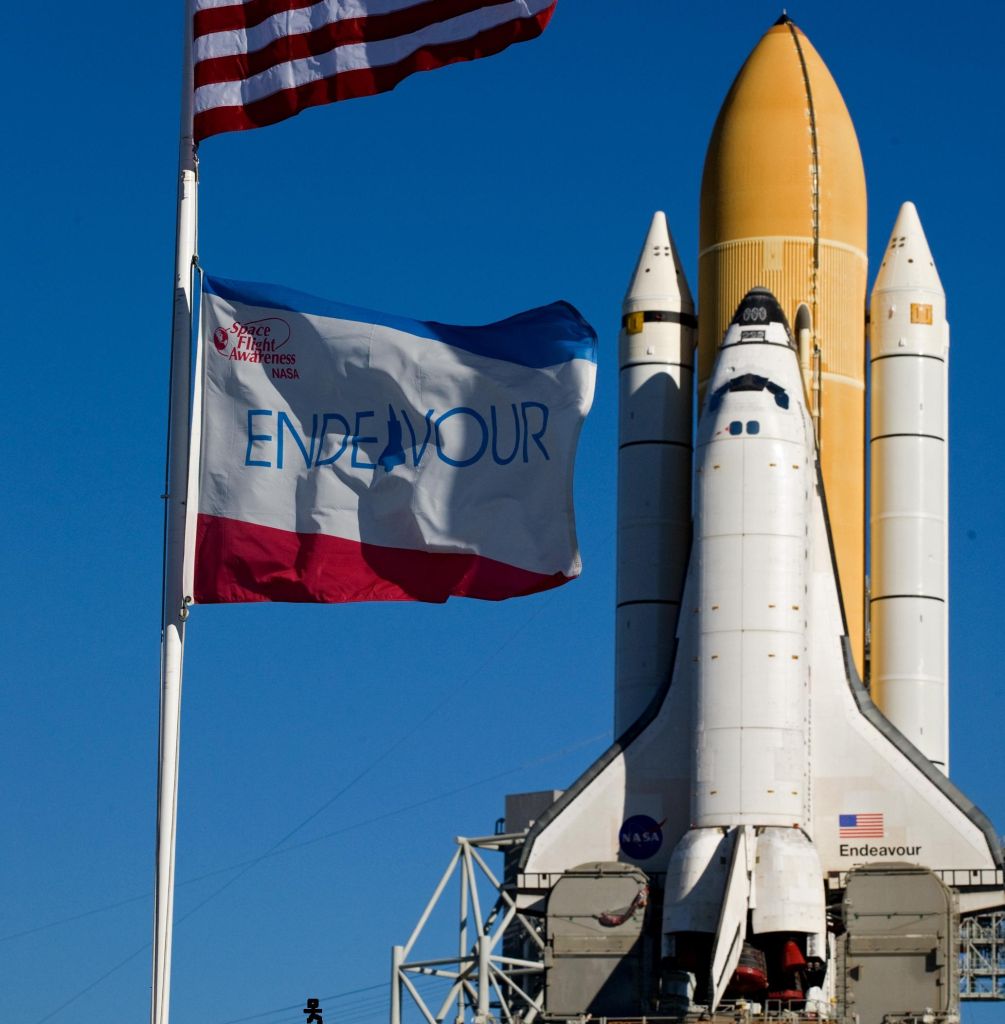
(352, 455)
(257, 62)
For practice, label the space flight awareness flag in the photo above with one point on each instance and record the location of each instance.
(350, 455)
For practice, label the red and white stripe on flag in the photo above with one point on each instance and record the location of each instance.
(260, 61)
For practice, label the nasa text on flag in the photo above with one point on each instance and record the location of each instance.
(260, 61)
(350, 455)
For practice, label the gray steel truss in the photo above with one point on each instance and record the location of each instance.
(982, 956)
(480, 984)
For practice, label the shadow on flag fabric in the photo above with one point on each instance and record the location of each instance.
(350, 455)
(260, 61)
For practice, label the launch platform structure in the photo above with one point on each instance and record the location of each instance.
(481, 982)
(982, 957)
(484, 983)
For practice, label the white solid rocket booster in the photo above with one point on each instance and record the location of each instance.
(656, 360)
(910, 483)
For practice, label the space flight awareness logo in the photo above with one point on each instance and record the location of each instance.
(259, 341)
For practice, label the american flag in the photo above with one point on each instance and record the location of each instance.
(256, 62)
(861, 826)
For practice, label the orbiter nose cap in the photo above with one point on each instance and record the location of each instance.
(907, 262)
(759, 306)
(659, 281)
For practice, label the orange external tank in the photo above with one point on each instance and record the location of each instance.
(783, 205)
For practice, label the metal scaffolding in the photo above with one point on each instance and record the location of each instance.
(982, 956)
(480, 984)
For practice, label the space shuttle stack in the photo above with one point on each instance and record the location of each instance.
(656, 360)
(724, 823)
(763, 225)
(910, 481)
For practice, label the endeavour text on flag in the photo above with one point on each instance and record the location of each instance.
(350, 455)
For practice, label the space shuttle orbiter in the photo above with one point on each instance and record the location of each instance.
(753, 770)
(763, 771)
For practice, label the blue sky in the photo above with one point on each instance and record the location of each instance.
(383, 731)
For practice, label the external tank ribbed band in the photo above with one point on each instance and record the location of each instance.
(784, 266)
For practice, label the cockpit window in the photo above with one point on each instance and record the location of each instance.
(750, 382)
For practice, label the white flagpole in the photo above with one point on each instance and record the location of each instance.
(175, 600)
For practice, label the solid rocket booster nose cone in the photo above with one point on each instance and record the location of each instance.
(658, 281)
(907, 261)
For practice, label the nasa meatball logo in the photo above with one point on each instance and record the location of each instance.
(259, 341)
(641, 837)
